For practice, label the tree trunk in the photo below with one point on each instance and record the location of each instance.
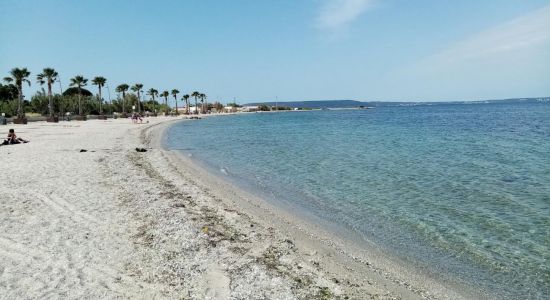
(139, 102)
(19, 111)
(100, 102)
(123, 104)
(50, 98)
(196, 107)
(176, 99)
(79, 102)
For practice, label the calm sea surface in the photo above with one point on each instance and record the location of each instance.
(461, 190)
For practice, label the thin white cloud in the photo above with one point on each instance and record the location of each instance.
(521, 33)
(337, 14)
(508, 60)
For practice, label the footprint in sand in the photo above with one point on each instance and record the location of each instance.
(215, 283)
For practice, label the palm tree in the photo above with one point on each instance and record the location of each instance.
(165, 94)
(48, 76)
(152, 92)
(79, 81)
(19, 76)
(122, 88)
(186, 98)
(137, 88)
(100, 82)
(175, 94)
(196, 95)
(203, 97)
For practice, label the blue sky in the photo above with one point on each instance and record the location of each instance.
(255, 50)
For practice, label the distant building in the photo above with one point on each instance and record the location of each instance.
(250, 108)
(229, 109)
(183, 109)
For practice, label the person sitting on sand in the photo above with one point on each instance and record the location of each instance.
(13, 139)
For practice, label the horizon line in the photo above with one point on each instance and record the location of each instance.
(398, 101)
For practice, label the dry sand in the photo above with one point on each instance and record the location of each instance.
(112, 222)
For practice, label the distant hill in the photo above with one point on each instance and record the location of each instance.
(315, 104)
(354, 104)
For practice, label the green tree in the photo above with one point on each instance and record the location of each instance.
(49, 76)
(117, 104)
(203, 108)
(8, 92)
(131, 98)
(152, 92)
(138, 89)
(19, 76)
(186, 99)
(73, 91)
(79, 81)
(234, 104)
(8, 99)
(218, 106)
(123, 88)
(165, 94)
(175, 94)
(196, 95)
(39, 103)
(100, 82)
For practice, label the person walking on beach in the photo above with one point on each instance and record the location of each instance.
(137, 117)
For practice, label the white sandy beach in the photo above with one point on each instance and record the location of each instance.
(115, 223)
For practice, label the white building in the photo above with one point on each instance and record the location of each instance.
(229, 109)
(183, 109)
(250, 108)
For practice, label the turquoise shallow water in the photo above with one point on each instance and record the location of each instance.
(460, 190)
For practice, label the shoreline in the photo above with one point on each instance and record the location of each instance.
(85, 214)
(363, 257)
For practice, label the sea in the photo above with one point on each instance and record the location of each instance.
(461, 190)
